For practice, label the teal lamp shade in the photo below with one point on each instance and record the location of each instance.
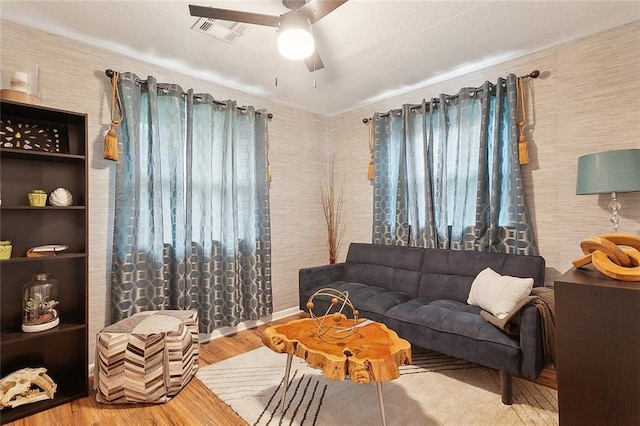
(609, 171)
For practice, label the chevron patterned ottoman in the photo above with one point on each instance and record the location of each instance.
(147, 358)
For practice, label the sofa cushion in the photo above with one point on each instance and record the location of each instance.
(371, 302)
(457, 329)
(448, 274)
(450, 316)
(498, 294)
(391, 267)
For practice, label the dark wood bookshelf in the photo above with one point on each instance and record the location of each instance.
(62, 350)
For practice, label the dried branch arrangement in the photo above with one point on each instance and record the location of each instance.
(332, 207)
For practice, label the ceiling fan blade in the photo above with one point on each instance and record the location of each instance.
(317, 9)
(314, 62)
(234, 15)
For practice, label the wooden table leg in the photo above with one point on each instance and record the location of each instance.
(381, 401)
(285, 382)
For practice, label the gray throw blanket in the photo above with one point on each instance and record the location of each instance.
(543, 299)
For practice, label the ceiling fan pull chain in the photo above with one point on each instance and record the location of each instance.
(314, 59)
(276, 60)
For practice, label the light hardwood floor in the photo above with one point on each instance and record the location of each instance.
(194, 405)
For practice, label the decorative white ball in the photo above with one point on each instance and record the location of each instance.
(61, 197)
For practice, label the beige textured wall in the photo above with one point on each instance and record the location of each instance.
(587, 102)
(72, 78)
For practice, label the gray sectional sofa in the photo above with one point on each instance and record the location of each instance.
(422, 295)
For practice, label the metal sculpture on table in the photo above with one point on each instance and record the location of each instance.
(334, 323)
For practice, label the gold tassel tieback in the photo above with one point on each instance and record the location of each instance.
(111, 144)
(523, 147)
(110, 139)
(370, 169)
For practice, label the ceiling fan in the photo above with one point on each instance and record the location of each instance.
(295, 39)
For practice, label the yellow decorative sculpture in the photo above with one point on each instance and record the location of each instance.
(608, 257)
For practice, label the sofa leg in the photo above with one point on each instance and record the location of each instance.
(506, 387)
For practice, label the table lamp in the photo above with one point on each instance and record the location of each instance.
(609, 172)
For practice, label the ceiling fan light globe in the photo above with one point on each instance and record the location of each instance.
(295, 43)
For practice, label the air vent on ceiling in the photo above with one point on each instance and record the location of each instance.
(227, 31)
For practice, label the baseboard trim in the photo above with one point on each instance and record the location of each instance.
(247, 325)
(227, 331)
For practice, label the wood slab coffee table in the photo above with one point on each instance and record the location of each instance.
(372, 354)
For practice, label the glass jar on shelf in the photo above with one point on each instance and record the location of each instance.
(38, 304)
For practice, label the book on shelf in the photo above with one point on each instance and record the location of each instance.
(46, 250)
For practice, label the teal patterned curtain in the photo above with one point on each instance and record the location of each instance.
(447, 173)
(390, 205)
(191, 223)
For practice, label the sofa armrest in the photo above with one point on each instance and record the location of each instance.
(531, 342)
(317, 276)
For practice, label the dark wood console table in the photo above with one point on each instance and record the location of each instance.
(598, 349)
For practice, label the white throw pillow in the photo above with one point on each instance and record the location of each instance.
(497, 293)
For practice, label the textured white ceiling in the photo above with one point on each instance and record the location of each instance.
(371, 49)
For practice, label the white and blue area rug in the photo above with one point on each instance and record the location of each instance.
(435, 390)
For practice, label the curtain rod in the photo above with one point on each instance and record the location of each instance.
(532, 74)
(109, 73)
